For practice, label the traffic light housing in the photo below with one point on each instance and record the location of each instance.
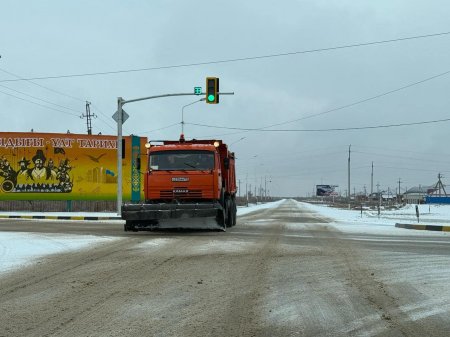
(212, 90)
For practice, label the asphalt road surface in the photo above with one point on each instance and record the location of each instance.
(279, 272)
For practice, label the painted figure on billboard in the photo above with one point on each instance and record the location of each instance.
(38, 178)
(7, 172)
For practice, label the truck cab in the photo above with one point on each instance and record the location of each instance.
(185, 184)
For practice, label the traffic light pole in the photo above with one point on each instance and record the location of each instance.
(120, 119)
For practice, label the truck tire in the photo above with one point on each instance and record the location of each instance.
(229, 211)
(221, 219)
(129, 226)
(234, 211)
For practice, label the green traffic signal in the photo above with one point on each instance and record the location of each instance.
(212, 90)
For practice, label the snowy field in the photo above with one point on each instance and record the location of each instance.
(20, 249)
(428, 214)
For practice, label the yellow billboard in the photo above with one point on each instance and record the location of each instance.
(52, 166)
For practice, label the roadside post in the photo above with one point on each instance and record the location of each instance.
(378, 206)
(361, 209)
(417, 213)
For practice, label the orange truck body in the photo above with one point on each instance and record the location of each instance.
(187, 184)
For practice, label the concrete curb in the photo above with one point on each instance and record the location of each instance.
(424, 227)
(59, 217)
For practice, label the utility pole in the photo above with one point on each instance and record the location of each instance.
(246, 190)
(399, 181)
(88, 117)
(261, 190)
(371, 181)
(265, 188)
(349, 147)
(239, 190)
(440, 184)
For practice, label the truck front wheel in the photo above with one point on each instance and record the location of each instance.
(129, 226)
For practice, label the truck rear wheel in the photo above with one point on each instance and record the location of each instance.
(228, 217)
(221, 219)
(233, 211)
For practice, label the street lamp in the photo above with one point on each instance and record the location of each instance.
(182, 113)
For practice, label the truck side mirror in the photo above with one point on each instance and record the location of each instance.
(226, 163)
(138, 163)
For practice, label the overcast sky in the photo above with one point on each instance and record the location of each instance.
(53, 38)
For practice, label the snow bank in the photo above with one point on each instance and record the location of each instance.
(18, 250)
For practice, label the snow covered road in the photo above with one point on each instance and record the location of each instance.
(286, 269)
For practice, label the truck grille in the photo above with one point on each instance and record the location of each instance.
(180, 193)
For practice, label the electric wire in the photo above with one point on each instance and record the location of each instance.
(326, 130)
(37, 98)
(401, 157)
(162, 128)
(41, 105)
(105, 116)
(339, 108)
(54, 91)
(363, 100)
(42, 86)
(390, 149)
(240, 59)
(244, 130)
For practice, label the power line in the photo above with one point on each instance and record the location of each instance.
(324, 130)
(240, 59)
(402, 157)
(390, 149)
(37, 98)
(42, 86)
(408, 168)
(363, 100)
(334, 109)
(44, 106)
(162, 128)
(339, 108)
(54, 91)
(107, 118)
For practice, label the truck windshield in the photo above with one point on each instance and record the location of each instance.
(196, 160)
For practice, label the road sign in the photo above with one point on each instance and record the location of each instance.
(198, 90)
(124, 116)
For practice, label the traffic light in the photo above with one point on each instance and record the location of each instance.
(212, 90)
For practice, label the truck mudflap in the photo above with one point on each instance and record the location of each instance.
(165, 216)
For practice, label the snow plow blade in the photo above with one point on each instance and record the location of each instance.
(168, 216)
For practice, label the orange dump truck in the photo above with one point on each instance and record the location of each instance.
(187, 184)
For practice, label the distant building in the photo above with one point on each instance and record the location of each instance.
(384, 196)
(416, 195)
